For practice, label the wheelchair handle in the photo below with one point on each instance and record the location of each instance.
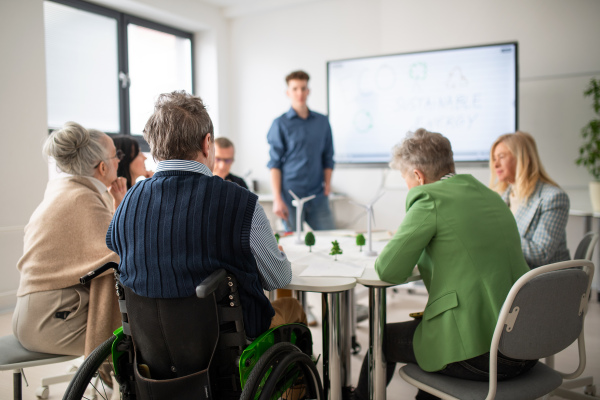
(100, 270)
(210, 284)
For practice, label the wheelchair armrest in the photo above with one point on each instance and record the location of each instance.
(100, 270)
(210, 284)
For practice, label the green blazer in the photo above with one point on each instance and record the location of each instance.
(465, 242)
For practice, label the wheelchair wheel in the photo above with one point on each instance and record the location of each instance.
(87, 378)
(283, 372)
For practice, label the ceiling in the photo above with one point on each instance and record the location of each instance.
(236, 8)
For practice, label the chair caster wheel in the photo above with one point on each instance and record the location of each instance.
(43, 392)
(590, 390)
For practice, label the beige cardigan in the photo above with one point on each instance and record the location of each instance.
(65, 239)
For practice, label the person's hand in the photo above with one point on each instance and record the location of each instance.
(280, 247)
(327, 189)
(149, 174)
(280, 209)
(117, 190)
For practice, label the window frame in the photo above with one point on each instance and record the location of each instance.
(123, 20)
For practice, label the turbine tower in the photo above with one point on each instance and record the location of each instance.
(299, 204)
(370, 217)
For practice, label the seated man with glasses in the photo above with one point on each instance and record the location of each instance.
(224, 157)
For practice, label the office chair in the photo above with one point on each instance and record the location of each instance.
(541, 316)
(584, 251)
(13, 356)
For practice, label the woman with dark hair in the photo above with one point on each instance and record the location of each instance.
(132, 166)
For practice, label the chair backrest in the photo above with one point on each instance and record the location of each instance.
(546, 315)
(167, 332)
(586, 246)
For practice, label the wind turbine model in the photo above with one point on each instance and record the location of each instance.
(299, 204)
(370, 217)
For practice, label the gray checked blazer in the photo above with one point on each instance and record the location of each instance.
(542, 221)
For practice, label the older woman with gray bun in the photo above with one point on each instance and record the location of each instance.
(65, 239)
(466, 245)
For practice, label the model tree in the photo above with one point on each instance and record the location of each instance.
(277, 237)
(335, 250)
(360, 240)
(309, 240)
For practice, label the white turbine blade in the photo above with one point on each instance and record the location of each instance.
(294, 195)
(372, 216)
(358, 204)
(376, 198)
(305, 199)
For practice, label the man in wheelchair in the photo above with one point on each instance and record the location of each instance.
(172, 232)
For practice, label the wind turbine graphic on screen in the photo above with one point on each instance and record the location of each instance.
(370, 217)
(299, 204)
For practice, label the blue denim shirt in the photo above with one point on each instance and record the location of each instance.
(301, 149)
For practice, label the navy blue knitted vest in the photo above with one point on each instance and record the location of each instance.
(176, 228)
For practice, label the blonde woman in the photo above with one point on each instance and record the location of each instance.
(540, 206)
(65, 239)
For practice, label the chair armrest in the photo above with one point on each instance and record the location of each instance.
(210, 284)
(98, 271)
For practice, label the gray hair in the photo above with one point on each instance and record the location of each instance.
(429, 152)
(178, 126)
(76, 150)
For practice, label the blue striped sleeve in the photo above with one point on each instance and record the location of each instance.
(274, 268)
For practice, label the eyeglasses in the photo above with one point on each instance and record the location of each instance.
(225, 160)
(120, 155)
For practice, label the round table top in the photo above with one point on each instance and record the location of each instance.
(321, 284)
(370, 278)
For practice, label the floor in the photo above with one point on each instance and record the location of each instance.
(399, 305)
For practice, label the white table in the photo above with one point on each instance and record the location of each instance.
(336, 341)
(377, 321)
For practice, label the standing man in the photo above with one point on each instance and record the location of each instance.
(301, 159)
(224, 157)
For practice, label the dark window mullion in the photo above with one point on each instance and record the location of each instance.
(124, 68)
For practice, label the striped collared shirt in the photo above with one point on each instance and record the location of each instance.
(273, 266)
(448, 175)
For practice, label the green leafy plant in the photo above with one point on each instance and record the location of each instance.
(589, 152)
(335, 250)
(277, 236)
(309, 240)
(360, 241)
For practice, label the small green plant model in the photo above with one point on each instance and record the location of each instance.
(360, 241)
(335, 250)
(309, 240)
(277, 237)
(589, 152)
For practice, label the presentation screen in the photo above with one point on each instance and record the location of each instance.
(467, 94)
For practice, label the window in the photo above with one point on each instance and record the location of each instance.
(105, 69)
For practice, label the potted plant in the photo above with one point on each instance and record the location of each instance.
(589, 152)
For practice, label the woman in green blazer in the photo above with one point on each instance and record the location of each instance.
(467, 247)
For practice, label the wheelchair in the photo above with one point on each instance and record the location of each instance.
(150, 354)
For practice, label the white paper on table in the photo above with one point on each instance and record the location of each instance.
(333, 268)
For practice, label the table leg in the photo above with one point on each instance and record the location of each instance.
(377, 364)
(332, 374)
(301, 297)
(347, 333)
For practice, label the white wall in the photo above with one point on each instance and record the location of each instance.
(24, 127)
(557, 50)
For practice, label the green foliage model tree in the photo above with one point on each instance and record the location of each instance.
(360, 240)
(335, 250)
(309, 240)
(589, 152)
(277, 237)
